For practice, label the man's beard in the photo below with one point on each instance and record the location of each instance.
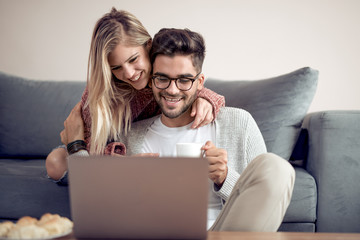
(171, 114)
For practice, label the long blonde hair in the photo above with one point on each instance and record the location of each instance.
(109, 99)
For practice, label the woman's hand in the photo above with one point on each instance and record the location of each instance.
(202, 110)
(73, 126)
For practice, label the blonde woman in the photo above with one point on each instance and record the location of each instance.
(117, 91)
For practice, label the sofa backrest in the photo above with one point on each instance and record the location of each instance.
(32, 114)
(278, 104)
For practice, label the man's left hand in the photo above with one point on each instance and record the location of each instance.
(217, 158)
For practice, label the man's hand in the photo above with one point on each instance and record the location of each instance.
(217, 158)
(202, 110)
(73, 126)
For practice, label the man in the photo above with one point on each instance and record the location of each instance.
(250, 189)
(259, 198)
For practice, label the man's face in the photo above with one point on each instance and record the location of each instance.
(174, 103)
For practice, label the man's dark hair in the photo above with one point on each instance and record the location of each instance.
(171, 42)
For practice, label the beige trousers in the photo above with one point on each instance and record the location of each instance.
(260, 198)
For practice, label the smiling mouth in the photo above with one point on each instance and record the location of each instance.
(134, 79)
(172, 100)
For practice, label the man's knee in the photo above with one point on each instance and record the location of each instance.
(275, 168)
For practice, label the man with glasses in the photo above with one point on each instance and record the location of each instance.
(250, 189)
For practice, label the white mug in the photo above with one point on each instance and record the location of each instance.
(189, 150)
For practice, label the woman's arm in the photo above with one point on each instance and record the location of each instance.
(144, 106)
(56, 162)
(217, 101)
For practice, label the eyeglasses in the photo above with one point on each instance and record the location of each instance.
(182, 83)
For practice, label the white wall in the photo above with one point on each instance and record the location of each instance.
(246, 39)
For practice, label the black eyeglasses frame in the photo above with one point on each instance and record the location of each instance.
(176, 79)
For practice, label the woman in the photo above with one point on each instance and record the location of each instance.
(118, 73)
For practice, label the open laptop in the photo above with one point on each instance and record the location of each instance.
(138, 197)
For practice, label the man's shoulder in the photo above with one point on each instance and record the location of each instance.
(234, 120)
(233, 112)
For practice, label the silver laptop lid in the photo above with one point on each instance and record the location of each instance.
(139, 197)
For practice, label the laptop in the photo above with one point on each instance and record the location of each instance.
(138, 197)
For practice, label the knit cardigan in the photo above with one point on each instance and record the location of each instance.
(236, 132)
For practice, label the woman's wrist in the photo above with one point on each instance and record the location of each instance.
(76, 146)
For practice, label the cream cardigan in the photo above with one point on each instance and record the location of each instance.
(236, 132)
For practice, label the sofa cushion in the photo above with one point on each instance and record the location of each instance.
(277, 104)
(297, 227)
(33, 114)
(302, 208)
(26, 190)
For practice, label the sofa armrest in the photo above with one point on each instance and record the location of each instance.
(334, 162)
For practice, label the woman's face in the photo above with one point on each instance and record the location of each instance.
(131, 65)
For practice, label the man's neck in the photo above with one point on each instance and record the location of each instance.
(180, 121)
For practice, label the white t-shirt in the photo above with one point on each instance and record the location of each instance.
(162, 139)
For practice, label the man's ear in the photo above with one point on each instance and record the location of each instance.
(201, 79)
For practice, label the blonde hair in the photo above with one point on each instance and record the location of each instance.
(109, 99)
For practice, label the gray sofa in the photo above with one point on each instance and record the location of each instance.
(323, 146)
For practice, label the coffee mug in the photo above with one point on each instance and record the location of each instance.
(189, 150)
